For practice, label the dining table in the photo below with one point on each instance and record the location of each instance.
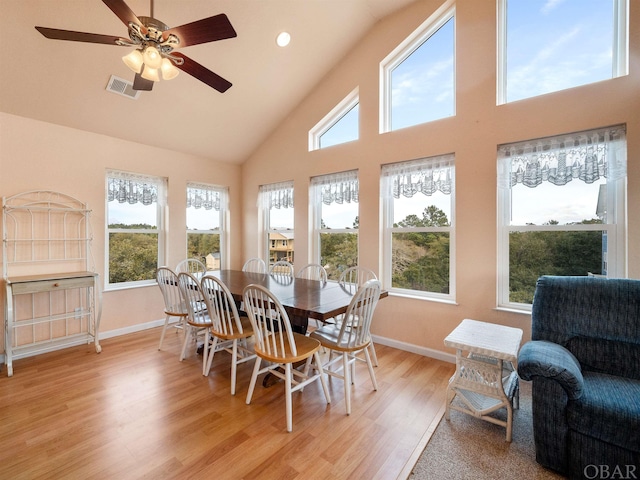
(301, 298)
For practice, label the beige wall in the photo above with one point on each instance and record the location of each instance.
(36, 155)
(42, 156)
(473, 134)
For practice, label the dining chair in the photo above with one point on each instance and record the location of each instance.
(229, 330)
(313, 271)
(198, 320)
(279, 347)
(255, 265)
(351, 280)
(282, 270)
(350, 337)
(191, 265)
(174, 305)
(354, 277)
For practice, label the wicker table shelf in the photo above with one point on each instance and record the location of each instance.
(485, 379)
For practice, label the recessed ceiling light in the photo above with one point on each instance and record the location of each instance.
(283, 39)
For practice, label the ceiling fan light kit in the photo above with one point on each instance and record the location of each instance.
(155, 43)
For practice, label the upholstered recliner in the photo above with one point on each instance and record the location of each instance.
(584, 361)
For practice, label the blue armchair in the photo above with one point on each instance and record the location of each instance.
(584, 361)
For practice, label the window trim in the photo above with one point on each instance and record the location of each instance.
(161, 230)
(620, 46)
(616, 229)
(315, 207)
(223, 191)
(333, 117)
(265, 216)
(389, 230)
(399, 54)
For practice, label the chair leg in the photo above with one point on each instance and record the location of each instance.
(234, 365)
(370, 366)
(205, 350)
(164, 330)
(374, 357)
(347, 381)
(254, 377)
(187, 335)
(288, 402)
(210, 359)
(323, 381)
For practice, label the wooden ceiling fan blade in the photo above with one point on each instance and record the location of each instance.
(56, 34)
(140, 83)
(122, 11)
(202, 73)
(206, 30)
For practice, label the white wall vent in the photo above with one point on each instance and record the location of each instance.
(122, 87)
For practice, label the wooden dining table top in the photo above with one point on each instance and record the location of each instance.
(301, 298)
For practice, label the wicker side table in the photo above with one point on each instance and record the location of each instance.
(485, 378)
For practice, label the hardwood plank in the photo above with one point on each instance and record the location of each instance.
(135, 412)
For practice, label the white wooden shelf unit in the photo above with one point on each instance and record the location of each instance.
(53, 298)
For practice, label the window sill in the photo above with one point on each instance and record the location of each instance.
(420, 297)
(115, 288)
(513, 310)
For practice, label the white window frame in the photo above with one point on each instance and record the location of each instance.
(222, 209)
(271, 194)
(620, 60)
(389, 230)
(431, 25)
(161, 214)
(615, 225)
(332, 118)
(315, 205)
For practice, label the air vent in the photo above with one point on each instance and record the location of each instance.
(122, 87)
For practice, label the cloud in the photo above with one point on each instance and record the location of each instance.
(423, 82)
(576, 57)
(550, 5)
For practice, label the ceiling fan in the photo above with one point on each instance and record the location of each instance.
(155, 44)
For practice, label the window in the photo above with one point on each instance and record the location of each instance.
(335, 221)
(419, 233)
(549, 46)
(206, 213)
(135, 213)
(561, 210)
(340, 125)
(276, 204)
(418, 77)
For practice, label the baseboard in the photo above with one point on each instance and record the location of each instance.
(389, 342)
(101, 336)
(409, 347)
(132, 329)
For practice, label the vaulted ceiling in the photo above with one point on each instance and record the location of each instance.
(65, 82)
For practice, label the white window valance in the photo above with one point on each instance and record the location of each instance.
(425, 175)
(125, 187)
(276, 195)
(208, 197)
(337, 188)
(585, 156)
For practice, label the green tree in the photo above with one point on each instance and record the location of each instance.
(132, 256)
(536, 253)
(199, 245)
(420, 260)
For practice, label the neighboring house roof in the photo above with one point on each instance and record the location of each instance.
(281, 236)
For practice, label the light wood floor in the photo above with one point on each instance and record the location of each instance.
(135, 412)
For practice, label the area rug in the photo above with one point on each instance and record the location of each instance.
(466, 447)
